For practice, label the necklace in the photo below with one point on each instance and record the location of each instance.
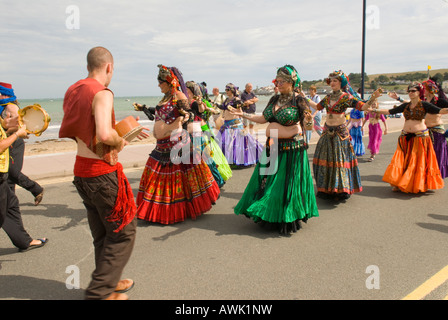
(165, 98)
(285, 98)
(335, 95)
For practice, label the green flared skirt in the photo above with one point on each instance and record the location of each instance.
(280, 191)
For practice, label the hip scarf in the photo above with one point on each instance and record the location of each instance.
(410, 135)
(437, 129)
(162, 151)
(125, 208)
(232, 124)
(284, 145)
(340, 130)
(419, 134)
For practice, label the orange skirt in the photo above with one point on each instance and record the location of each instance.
(414, 166)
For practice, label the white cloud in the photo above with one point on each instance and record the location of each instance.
(215, 41)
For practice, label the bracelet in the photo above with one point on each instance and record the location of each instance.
(247, 115)
(399, 99)
(16, 135)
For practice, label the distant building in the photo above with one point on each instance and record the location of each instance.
(268, 90)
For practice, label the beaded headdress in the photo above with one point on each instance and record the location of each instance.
(289, 73)
(345, 83)
(173, 76)
(431, 86)
(194, 88)
(419, 87)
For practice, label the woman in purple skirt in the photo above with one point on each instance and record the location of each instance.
(434, 123)
(240, 148)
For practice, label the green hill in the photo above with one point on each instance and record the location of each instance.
(432, 72)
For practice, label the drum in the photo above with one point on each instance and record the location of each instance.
(128, 128)
(35, 118)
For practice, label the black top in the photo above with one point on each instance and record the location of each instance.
(441, 103)
(418, 113)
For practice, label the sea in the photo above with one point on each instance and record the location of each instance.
(123, 108)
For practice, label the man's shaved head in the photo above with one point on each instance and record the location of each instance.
(98, 57)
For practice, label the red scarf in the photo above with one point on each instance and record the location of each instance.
(125, 208)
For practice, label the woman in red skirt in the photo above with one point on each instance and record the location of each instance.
(176, 184)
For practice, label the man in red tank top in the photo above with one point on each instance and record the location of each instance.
(99, 178)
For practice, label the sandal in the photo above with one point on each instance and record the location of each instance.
(38, 198)
(124, 286)
(43, 241)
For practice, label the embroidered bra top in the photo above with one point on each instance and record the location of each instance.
(168, 112)
(286, 115)
(374, 115)
(345, 101)
(418, 113)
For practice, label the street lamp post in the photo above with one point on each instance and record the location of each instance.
(363, 47)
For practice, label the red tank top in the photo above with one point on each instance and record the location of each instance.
(78, 120)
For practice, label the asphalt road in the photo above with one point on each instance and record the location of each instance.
(379, 245)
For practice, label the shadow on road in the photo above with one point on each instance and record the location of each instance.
(29, 288)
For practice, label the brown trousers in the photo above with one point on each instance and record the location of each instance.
(112, 249)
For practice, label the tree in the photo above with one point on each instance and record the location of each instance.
(355, 79)
(438, 77)
(383, 79)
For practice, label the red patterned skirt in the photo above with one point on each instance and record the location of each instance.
(175, 188)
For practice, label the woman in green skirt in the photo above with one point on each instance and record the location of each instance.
(214, 157)
(280, 191)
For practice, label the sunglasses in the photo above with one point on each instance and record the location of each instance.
(280, 82)
(412, 90)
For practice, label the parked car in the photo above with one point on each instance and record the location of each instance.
(398, 115)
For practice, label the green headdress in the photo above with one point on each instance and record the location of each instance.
(289, 74)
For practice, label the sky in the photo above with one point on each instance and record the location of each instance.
(45, 43)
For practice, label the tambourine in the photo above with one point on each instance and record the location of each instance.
(35, 118)
(128, 128)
